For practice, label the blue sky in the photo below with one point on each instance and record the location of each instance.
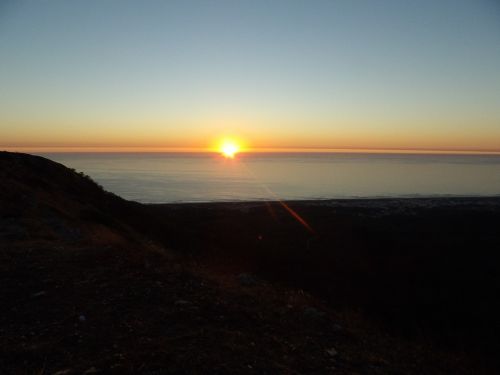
(356, 74)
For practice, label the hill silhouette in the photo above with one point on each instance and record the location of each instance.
(92, 283)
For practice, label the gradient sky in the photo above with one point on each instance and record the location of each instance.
(314, 74)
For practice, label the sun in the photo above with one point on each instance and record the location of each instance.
(229, 149)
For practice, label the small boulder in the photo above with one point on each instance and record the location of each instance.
(332, 352)
(67, 371)
(337, 327)
(247, 279)
(313, 313)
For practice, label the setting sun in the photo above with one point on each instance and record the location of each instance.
(229, 149)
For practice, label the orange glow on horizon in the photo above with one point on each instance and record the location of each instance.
(227, 146)
(131, 149)
(259, 135)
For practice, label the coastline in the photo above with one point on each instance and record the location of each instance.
(438, 200)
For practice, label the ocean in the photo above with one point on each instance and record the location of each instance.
(205, 177)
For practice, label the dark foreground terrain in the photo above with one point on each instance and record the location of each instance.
(91, 283)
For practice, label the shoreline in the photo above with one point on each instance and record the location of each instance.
(341, 201)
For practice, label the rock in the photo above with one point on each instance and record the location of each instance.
(182, 302)
(63, 372)
(82, 318)
(332, 352)
(247, 279)
(39, 294)
(91, 370)
(10, 230)
(313, 313)
(337, 328)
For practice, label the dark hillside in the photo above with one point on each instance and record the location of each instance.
(44, 200)
(424, 268)
(91, 283)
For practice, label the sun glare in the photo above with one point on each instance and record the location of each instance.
(229, 149)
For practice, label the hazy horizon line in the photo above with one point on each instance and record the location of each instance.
(128, 149)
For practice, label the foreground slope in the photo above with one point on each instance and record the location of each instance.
(90, 283)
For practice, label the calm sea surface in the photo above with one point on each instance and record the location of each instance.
(181, 177)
